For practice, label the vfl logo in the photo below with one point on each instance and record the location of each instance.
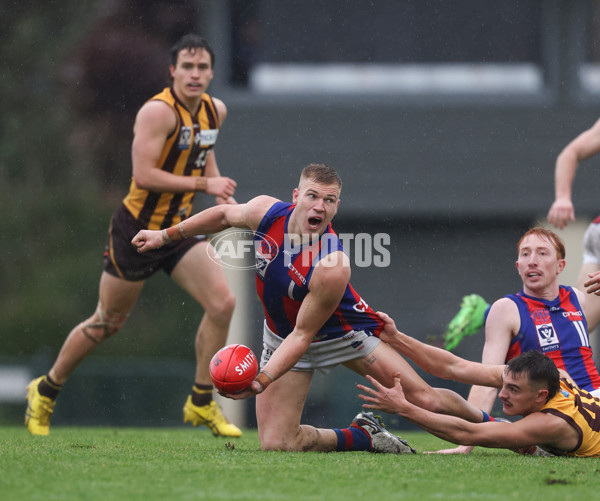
(185, 138)
(547, 337)
(235, 249)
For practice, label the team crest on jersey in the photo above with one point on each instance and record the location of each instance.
(547, 337)
(265, 250)
(185, 138)
(540, 315)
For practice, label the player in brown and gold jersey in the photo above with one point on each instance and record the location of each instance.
(173, 159)
(559, 418)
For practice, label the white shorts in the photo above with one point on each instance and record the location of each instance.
(323, 355)
(595, 393)
(591, 244)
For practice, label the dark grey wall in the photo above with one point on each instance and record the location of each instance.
(405, 161)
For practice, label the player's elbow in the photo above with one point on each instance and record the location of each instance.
(143, 182)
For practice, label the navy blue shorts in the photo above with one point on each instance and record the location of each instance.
(122, 259)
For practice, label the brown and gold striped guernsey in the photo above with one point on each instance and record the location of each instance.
(183, 154)
(582, 411)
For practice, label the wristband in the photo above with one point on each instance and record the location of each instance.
(201, 183)
(264, 379)
(181, 230)
(172, 233)
(166, 238)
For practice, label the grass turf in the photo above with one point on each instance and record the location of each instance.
(186, 463)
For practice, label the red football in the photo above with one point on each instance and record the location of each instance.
(233, 368)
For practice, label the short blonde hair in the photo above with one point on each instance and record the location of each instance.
(322, 174)
(548, 235)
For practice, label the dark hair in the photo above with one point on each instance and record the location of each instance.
(322, 174)
(540, 369)
(191, 41)
(548, 235)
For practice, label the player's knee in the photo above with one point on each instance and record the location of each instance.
(103, 325)
(92, 332)
(440, 400)
(273, 439)
(114, 323)
(274, 443)
(222, 311)
(429, 400)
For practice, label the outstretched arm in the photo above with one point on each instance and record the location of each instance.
(440, 363)
(537, 428)
(211, 220)
(502, 321)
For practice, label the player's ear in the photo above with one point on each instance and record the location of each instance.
(542, 396)
(338, 205)
(295, 195)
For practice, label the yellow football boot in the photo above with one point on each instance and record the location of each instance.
(210, 416)
(39, 410)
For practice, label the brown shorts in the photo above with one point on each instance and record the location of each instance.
(122, 259)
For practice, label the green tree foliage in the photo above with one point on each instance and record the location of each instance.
(74, 74)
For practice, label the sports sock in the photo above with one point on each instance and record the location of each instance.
(49, 388)
(352, 439)
(202, 394)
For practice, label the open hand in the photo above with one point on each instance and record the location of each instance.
(391, 400)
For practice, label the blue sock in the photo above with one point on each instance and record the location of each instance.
(352, 439)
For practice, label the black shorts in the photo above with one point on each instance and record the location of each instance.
(122, 259)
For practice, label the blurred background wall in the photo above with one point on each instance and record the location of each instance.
(443, 118)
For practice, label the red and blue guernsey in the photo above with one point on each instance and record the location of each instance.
(283, 273)
(558, 329)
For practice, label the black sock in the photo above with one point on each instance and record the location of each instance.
(49, 388)
(202, 394)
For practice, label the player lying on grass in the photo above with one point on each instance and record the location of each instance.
(543, 316)
(559, 417)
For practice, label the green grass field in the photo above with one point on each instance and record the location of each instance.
(186, 463)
